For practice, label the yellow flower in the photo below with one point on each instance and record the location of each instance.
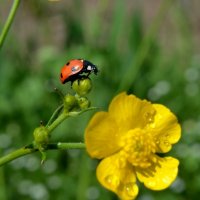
(127, 138)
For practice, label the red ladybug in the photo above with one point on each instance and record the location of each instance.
(74, 69)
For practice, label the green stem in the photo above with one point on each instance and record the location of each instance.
(64, 115)
(55, 115)
(63, 146)
(9, 21)
(16, 154)
(57, 121)
(3, 193)
(30, 149)
(143, 50)
(83, 178)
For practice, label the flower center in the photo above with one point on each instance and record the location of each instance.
(139, 148)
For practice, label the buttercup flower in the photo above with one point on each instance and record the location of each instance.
(128, 139)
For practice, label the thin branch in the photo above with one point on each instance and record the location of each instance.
(16, 154)
(130, 74)
(55, 115)
(30, 149)
(9, 21)
(65, 115)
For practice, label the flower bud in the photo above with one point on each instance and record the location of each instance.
(82, 86)
(83, 103)
(41, 136)
(69, 102)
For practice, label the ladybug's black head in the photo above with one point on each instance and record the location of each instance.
(95, 70)
(90, 67)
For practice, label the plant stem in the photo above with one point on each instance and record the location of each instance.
(9, 21)
(83, 178)
(30, 149)
(59, 146)
(55, 114)
(3, 194)
(63, 116)
(16, 154)
(143, 50)
(57, 121)
(63, 146)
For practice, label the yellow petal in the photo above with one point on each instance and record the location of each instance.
(131, 112)
(118, 178)
(101, 136)
(166, 128)
(160, 175)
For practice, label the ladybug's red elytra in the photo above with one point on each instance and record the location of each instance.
(74, 69)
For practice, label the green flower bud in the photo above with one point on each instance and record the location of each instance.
(83, 103)
(69, 102)
(82, 86)
(41, 136)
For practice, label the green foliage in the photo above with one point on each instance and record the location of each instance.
(111, 39)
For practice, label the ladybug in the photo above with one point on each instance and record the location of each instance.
(74, 69)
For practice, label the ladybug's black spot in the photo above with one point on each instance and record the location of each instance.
(67, 63)
(61, 75)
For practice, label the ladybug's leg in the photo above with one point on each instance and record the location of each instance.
(82, 77)
(78, 77)
(88, 74)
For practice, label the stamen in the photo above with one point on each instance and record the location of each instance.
(139, 148)
(149, 116)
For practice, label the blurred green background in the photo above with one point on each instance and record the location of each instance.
(149, 48)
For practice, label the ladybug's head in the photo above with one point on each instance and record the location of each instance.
(90, 67)
(95, 69)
